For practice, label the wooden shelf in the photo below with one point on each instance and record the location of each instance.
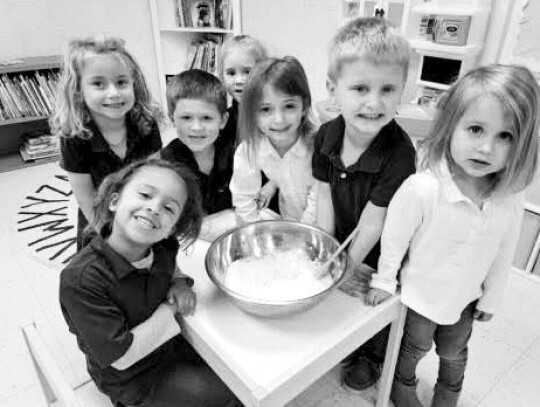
(21, 120)
(424, 47)
(13, 161)
(30, 64)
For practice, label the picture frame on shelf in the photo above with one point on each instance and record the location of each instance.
(203, 13)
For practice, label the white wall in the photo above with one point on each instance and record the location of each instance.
(43, 27)
(301, 28)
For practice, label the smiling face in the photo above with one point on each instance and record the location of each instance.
(279, 118)
(368, 95)
(237, 64)
(147, 209)
(482, 140)
(197, 123)
(107, 87)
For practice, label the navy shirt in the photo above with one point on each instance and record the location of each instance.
(103, 297)
(94, 156)
(374, 177)
(214, 186)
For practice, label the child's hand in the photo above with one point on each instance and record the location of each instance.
(266, 194)
(375, 296)
(482, 316)
(183, 296)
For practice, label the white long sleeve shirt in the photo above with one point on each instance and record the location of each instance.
(450, 251)
(291, 173)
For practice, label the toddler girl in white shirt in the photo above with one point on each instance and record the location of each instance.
(276, 130)
(451, 229)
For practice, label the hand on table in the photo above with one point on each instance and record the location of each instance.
(375, 296)
(182, 296)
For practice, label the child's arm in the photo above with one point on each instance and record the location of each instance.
(404, 217)
(497, 277)
(181, 293)
(245, 185)
(266, 194)
(371, 225)
(325, 208)
(84, 191)
(149, 335)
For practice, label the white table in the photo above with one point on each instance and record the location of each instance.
(267, 362)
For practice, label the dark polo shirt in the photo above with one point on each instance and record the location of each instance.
(103, 297)
(375, 177)
(94, 156)
(230, 130)
(214, 186)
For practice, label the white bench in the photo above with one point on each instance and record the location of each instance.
(56, 389)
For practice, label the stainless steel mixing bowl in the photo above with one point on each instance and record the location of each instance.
(266, 237)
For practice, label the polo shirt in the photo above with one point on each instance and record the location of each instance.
(214, 186)
(102, 297)
(374, 177)
(450, 251)
(230, 129)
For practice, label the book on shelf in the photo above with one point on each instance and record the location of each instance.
(204, 54)
(39, 146)
(223, 14)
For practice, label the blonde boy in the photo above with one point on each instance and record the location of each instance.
(363, 156)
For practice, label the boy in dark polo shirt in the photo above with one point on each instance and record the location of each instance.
(197, 106)
(363, 156)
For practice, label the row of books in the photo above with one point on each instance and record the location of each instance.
(204, 13)
(204, 54)
(27, 94)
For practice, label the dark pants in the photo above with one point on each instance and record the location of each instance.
(451, 346)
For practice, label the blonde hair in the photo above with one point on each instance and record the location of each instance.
(285, 75)
(245, 42)
(71, 116)
(368, 38)
(519, 94)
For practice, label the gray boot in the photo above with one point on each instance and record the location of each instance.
(404, 396)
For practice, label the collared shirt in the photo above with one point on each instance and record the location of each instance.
(214, 186)
(450, 251)
(230, 129)
(103, 297)
(291, 173)
(374, 177)
(94, 155)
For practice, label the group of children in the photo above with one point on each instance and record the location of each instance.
(449, 230)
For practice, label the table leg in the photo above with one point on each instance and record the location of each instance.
(392, 351)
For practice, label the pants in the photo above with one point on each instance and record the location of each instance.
(451, 347)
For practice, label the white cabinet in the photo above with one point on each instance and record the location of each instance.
(181, 39)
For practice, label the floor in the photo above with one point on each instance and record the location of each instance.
(504, 368)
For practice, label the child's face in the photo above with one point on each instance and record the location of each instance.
(107, 87)
(482, 140)
(197, 123)
(280, 116)
(237, 65)
(148, 207)
(368, 95)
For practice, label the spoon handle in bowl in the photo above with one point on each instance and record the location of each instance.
(343, 245)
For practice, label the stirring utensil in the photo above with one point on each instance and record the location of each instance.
(323, 269)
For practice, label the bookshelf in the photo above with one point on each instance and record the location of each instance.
(29, 114)
(174, 35)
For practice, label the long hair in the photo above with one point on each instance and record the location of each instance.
(187, 227)
(519, 94)
(286, 75)
(71, 115)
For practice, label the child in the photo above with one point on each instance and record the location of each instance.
(276, 130)
(121, 294)
(363, 156)
(239, 55)
(104, 115)
(452, 228)
(197, 105)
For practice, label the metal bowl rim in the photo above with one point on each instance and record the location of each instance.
(269, 302)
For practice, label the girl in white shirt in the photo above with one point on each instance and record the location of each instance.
(276, 130)
(451, 229)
